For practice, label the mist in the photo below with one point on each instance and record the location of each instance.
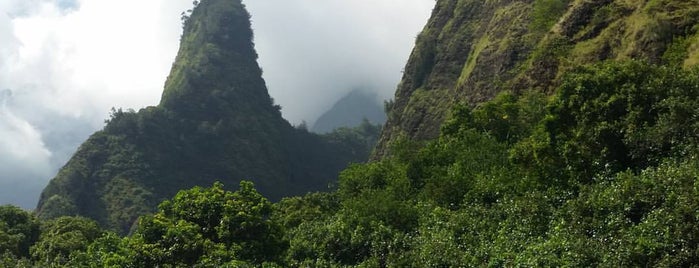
(314, 52)
(65, 63)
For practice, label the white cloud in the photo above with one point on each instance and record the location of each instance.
(24, 159)
(21, 145)
(104, 54)
(66, 63)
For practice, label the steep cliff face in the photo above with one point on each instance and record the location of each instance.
(472, 49)
(215, 121)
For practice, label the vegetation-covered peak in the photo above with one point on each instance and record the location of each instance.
(216, 60)
(215, 121)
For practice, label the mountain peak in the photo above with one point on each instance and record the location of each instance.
(216, 59)
(215, 122)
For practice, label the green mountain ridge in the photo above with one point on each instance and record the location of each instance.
(215, 121)
(470, 50)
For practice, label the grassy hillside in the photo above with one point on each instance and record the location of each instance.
(470, 50)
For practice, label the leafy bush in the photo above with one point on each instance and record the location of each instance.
(18, 231)
(62, 237)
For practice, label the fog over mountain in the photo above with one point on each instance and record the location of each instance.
(351, 111)
(315, 52)
(65, 63)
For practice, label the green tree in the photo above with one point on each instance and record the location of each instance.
(18, 231)
(109, 250)
(62, 237)
(614, 116)
(210, 226)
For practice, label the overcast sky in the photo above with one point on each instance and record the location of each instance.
(65, 63)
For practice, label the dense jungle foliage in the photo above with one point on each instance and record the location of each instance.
(604, 172)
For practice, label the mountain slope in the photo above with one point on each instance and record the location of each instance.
(470, 50)
(350, 111)
(215, 121)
